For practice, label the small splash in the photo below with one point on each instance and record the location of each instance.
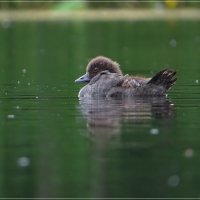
(154, 131)
(28, 83)
(17, 107)
(197, 81)
(11, 116)
(189, 153)
(23, 161)
(36, 97)
(18, 82)
(173, 43)
(173, 181)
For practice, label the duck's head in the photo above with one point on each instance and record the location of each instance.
(97, 65)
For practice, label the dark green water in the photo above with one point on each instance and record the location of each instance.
(52, 145)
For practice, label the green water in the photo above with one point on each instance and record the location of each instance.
(52, 145)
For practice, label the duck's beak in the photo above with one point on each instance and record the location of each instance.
(84, 78)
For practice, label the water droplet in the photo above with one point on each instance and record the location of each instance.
(172, 43)
(189, 153)
(18, 82)
(197, 81)
(28, 83)
(17, 107)
(154, 131)
(173, 181)
(36, 97)
(10, 116)
(23, 161)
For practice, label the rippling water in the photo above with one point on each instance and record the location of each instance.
(54, 145)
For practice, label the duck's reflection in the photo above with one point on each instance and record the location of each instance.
(104, 117)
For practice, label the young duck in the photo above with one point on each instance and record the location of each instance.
(105, 79)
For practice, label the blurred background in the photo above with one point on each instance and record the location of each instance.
(53, 145)
(84, 4)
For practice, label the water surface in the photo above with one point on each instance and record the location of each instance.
(53, 145)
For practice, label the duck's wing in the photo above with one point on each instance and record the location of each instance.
(165, 78)
(133, 81)
(140, 86)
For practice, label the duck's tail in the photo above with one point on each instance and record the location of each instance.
(165, 78)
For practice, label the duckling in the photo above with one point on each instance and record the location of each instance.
(104, 78)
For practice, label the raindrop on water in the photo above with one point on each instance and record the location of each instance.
(154, 131)
(189, 153)
(172, 43)
(11, 116)
(24, 71)
(23, 161)
(173, 181)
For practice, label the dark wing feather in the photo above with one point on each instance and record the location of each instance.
(166, 78)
